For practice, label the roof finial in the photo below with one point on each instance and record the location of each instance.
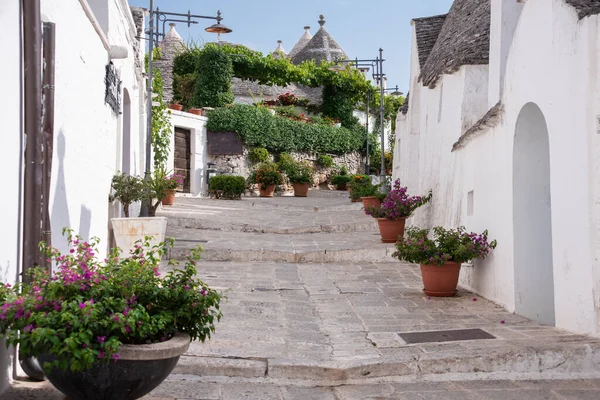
(321, 20)
(307, 27)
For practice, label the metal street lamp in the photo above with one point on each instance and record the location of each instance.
(154, 36)
(378, 76)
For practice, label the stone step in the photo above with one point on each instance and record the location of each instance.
(578, 361)
(380, 254)
(363, 247)
(213, 225)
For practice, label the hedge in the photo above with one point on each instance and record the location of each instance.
(232, 187)
(258, 128)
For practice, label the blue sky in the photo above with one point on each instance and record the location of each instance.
(360, 27)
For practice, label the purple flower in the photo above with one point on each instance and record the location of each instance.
(127, 329)
(101, 339)
(100, 354)
(115, 356)
(84, 345)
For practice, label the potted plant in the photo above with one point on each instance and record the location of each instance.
(395, 208)
(300, 177)
(440, 258)
(128, 189)
(172, 182)
(359, 186)
(176, 106)
(341, 181)
(267, 176)
(111, 329)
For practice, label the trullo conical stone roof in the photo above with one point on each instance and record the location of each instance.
(322, 47)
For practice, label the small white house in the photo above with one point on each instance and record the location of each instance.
(503, 124)
(99, 127)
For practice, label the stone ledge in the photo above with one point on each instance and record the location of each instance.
(579, 361)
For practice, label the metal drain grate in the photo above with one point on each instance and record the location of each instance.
(445, 336)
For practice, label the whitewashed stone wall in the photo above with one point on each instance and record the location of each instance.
(242, 166)
(553, 63)
(10, 111)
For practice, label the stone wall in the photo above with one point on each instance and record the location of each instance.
(242, 166)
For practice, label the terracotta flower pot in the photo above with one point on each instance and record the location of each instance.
(440, 280)
(177, 107)
(300, 189)
(370, 201)
(268, 192)
(169, 198)
(390, 229)
(197, 111)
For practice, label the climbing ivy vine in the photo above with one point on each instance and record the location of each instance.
(161, 123)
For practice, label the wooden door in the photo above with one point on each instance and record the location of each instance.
(183, 153)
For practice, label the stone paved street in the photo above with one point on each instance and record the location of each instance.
(314, 306)
(179, 389)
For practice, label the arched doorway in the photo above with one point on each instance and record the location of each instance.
(532, 222)
(126, 147)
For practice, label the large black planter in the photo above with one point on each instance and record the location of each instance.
(139, 370)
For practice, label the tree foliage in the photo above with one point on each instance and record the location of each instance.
(341, 90)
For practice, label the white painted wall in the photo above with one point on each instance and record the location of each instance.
(88, 134)
(199, 157)
(10, 111)
(505, 17)
(552, 62)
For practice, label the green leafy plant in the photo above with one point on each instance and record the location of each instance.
(266, 174)
(454, 245)
(398, 204)
(155, 189)
(301, 173)
(126, 189)
(361, 186)
(325, 161)
(84, 311)
(341, 91)
(258, 128)
(286, 163)
(341, 181)
(214, 73)
(258, 155)
(227, 186)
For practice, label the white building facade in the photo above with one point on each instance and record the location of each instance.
(91, 139)
(502, 124)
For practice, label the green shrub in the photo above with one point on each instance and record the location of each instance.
(258, 128)
(340, 180)
(286, 163)
(301, 173)
(213, 87)
(344, 170)
(361, 186)
(287, 111)
(232, 187)
(325, 161)
(258, 155)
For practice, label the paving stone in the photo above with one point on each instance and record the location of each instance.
(187, 390)
(581, 394)
(302, 393)
(251, 391)
(519, 394)
(439, 395)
